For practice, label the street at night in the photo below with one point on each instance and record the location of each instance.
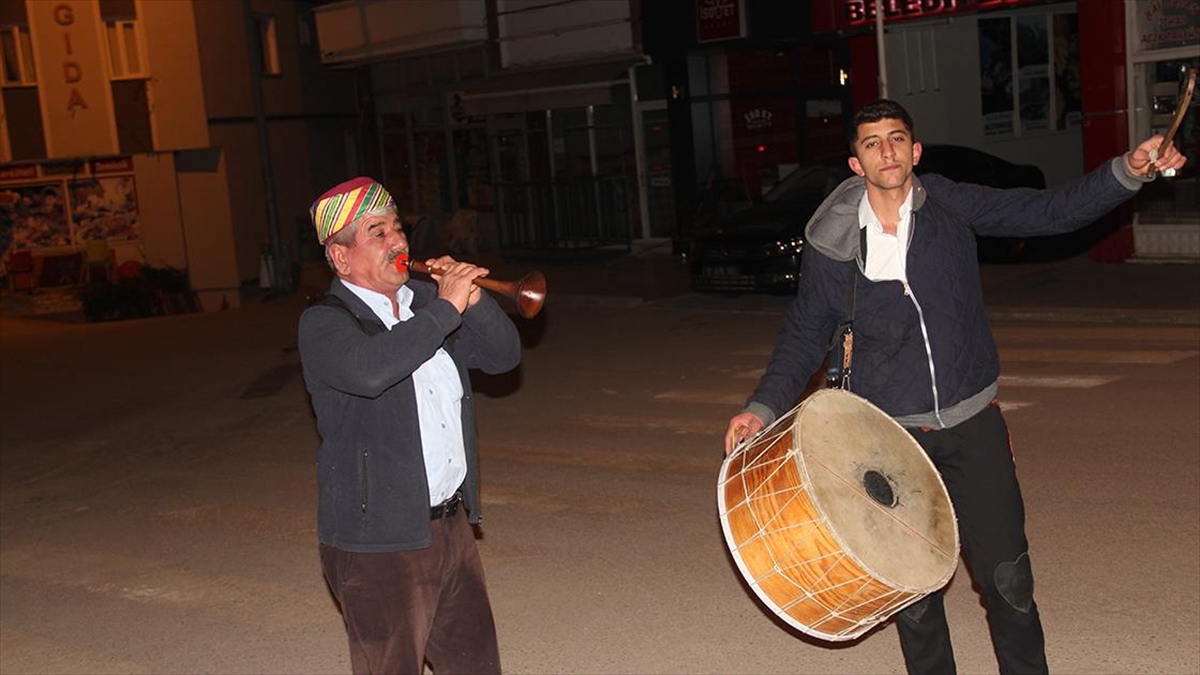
(159, 488)
(238, 435)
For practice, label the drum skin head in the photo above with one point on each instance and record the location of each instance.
(903, 531)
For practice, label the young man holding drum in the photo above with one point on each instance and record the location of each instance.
(900, 251)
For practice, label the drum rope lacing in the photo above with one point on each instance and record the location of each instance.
(792, 452)
(764, 491)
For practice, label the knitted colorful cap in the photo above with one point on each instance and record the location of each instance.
(345, 202)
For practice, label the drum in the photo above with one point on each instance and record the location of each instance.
(836, 517)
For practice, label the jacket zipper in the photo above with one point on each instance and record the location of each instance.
(362, 480)
(937, 407)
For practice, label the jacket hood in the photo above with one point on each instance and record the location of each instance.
(834, 229)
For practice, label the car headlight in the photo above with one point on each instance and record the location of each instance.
(783, 247)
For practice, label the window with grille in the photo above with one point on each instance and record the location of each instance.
(126, 57)
(267, 44)
(16, 51)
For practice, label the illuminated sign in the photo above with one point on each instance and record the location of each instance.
(859, 12)
(758, 119)
(719, 20)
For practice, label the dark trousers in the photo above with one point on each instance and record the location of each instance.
(976, 463)
(405, 608)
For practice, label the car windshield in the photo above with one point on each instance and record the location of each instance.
(814, 180)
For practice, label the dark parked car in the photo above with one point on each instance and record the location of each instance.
(758, 248)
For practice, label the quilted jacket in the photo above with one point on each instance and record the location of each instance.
(373, 495)
(923, 350)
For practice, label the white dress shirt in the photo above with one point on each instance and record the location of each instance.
(886, 253)
(439, 402)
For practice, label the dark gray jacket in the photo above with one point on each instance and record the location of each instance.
(923, 353)
(373, 492)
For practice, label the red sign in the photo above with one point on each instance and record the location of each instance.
(720, 20)
(112, 165)
(849, 13)
(19, 172)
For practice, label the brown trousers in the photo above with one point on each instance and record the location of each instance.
(405, 608)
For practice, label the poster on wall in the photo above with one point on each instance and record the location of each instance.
(105, 208)
(34, 216)
(1166, 24)
(996, 76)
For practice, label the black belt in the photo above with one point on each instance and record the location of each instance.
(446, 508)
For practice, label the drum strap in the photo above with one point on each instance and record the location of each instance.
(841, 350)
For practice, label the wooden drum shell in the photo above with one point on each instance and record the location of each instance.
(782, 505)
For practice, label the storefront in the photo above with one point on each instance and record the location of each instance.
(1163, 42)
(509, 125)
(549, 159)
(1005, 76)
(752, 95)
(757, 114)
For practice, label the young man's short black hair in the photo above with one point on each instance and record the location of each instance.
(883, 109)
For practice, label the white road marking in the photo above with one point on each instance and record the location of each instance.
(750, 374)
(1040, 355)
(1007, 354)
(1057, 381)
(1013, 405)
(694, 396)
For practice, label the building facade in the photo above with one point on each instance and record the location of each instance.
(757, 88)
(541, 123)
(183, 134)
(1007, 76)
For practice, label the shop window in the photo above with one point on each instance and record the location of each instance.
(1068, 88)
(23, 115)
(132, 113)
(304, 32)
(17, 53)
(126, 58)
(764, 70)
(267, 45)
(1029, 74)
(819, 66)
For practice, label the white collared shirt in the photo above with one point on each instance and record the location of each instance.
(439, 402)
(886, 254)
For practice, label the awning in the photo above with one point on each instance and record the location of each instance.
(569, 86)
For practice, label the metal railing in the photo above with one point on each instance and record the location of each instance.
(567, 214)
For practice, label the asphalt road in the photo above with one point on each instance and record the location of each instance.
(158, 497)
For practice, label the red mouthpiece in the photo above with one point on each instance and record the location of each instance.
(401, 262)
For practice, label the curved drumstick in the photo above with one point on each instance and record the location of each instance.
(1185, 99)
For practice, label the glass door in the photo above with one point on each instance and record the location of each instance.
(1167, 211)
